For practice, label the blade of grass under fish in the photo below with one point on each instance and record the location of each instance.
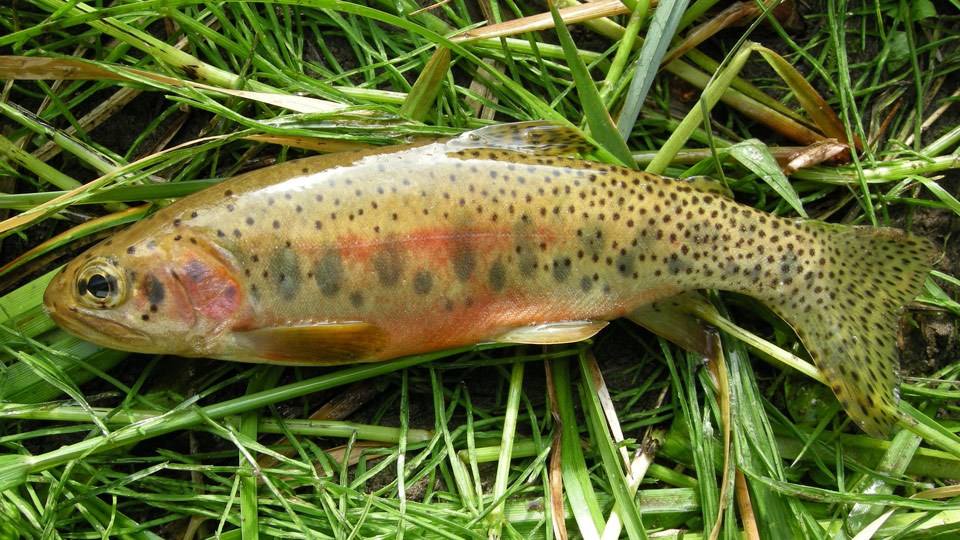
(576, 481)
(312, 428)
(893, 465)
(461, 478)
(14, 469)
(22, 310)
(660, 33)
(248, 427)
(756, 449)
(402, 446)
(756, 157)
(598, 118)
(22, 318)
(20, 383)
(691, 434)
(511, 412)
(610, 457)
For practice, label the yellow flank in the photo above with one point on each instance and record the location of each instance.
(491, 236)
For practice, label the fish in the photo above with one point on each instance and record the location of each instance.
(496, 235)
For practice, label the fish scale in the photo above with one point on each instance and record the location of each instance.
(489, 237)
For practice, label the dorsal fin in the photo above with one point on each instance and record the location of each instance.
(532, 138)
(708, 184)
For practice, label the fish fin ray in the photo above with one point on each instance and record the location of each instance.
(532, 138)
(315, 344)
(708, 184)
(551, 333)
(672, 319)
(851, 332)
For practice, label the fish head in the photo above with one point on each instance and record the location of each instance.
(161, 293)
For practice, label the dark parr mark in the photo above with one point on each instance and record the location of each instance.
(356, 299)
(464, 262)
(328, 273)
(586, 283)
(498, 276)
(388, 264)
(422, 282)
(285, 265)
(561, 269)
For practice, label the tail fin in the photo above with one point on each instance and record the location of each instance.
(848, 322)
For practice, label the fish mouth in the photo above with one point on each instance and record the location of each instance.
(101, 331)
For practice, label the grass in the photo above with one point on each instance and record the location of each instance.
(515, 442)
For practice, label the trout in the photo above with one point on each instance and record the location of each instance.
(492, 236)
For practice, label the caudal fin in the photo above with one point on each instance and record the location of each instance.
(848, 321)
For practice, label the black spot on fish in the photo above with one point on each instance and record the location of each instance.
(388, 264)
(498, 276)
(328, 273)
(422, 282)
(356, 299)
(155, 290)
(464, 261)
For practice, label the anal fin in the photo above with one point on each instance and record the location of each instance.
(314, 344)
(674, 319)
(552, 333)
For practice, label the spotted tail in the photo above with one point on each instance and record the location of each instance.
(848, 320)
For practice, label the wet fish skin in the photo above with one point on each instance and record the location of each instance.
(372, 255)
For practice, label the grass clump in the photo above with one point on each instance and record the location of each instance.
(851, 118)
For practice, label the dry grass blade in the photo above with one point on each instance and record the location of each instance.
(543, 21)
(29, 68)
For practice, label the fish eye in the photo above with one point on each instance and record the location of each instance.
(100, 284)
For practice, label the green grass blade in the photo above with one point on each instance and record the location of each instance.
(663, 26)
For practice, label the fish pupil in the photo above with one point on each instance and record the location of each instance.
(98, 286)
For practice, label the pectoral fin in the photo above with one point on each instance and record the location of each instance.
(315, 344)
(552, 333)
(673, 319)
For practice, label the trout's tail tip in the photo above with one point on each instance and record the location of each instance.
(849, 320)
